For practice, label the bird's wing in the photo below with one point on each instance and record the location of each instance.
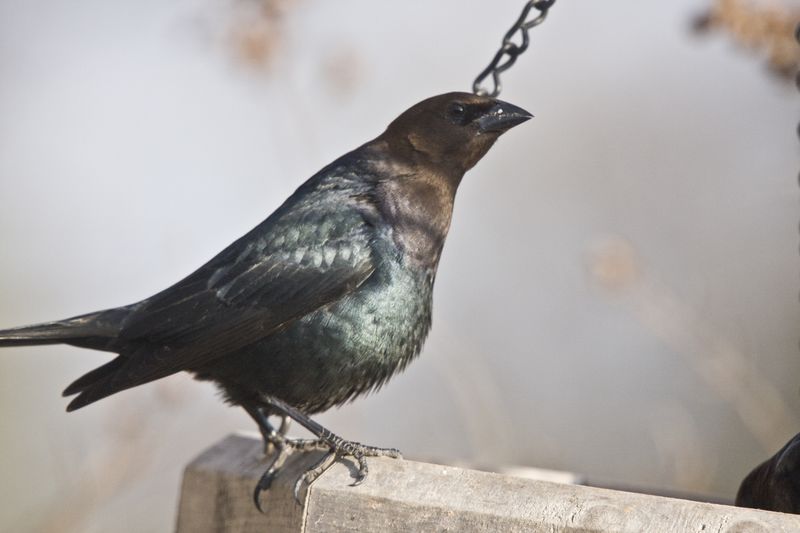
(292, 264)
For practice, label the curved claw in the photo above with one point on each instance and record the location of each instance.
(296, 490)
(265, 481)
(363, 470)
(312, 474)
(256, 499)
(263, 484)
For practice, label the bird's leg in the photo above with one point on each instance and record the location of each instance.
(337, 446)
(286, 422)
(272, 437)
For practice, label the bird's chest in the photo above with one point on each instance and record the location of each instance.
(383, 324)
(359, 342)
(386, 321)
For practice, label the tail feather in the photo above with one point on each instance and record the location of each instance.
(94, 330)
(95, 385)
(102, 387)
(91, 378)
(47, 333)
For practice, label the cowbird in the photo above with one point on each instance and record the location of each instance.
(323, 301)
(774, 485)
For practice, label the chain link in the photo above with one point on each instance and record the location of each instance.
(508, 52)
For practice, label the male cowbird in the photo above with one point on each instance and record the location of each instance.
(323, 301)
(774, 485)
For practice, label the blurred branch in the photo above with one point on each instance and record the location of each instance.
(766, 27)
(615, 266)
(256, 30)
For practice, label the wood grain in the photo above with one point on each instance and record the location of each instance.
(409, 496)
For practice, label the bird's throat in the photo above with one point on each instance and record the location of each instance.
(418, 207)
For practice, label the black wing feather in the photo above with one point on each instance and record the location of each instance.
(312, 251)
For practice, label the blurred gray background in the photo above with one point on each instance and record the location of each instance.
(618, 295)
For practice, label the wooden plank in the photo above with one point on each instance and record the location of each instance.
(216, 495)
(411, 496)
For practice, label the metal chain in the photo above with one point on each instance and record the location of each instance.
(507, 55)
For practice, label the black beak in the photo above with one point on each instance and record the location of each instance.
(501, 117)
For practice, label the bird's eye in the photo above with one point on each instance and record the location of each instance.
(457, 113)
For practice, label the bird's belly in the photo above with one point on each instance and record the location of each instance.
(340, 351)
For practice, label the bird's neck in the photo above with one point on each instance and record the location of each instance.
(418, 207)
(415, 196)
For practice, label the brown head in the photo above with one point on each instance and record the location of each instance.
(425, 152)
(452, 131)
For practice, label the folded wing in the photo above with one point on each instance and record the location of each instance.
(308, 254)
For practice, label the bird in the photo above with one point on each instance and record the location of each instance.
(774, 485)
(323, 301)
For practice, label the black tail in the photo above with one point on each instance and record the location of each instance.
(47, 333)
(95, 385)
(97, 331)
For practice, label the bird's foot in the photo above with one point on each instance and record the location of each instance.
(326, 440)
(283, 447)
(334, 445)
(338, 447)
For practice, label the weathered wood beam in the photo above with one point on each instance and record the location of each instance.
(410, 496)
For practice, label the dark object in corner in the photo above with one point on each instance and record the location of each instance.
(774, 485)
